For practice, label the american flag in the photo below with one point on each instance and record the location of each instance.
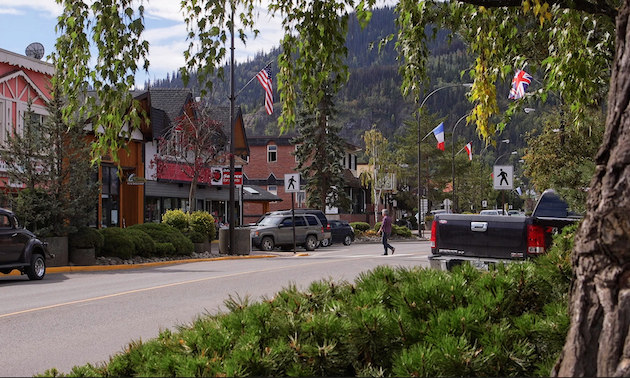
(519, 84)
(264, 78)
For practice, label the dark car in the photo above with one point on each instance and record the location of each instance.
(341, 231)
(20, 249)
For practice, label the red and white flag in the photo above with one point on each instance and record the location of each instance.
(264, 78)
(468, 148)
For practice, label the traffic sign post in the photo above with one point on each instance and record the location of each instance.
(292, 185)
(503, 177)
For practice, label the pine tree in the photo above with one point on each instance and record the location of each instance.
(319, 153)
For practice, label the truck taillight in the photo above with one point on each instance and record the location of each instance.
(535, 240)
(327, 226)
(433, 233)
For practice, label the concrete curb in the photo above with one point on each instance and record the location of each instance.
(101, 268)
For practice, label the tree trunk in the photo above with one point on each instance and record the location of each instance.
(598, 342)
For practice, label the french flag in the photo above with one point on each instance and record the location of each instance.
(439, 135)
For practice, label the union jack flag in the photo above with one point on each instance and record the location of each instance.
(519, 84)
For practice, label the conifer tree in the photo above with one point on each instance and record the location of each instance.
(319, 154)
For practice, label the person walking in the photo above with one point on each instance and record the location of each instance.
(386, 230)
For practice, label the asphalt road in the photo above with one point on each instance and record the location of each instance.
(71, 319)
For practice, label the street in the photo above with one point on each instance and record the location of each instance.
(75, 318)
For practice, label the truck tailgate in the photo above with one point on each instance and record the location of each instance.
(482, 236)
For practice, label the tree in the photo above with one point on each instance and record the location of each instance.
(192, 144)
(52, 160)
(115, 29)
(383, 164)
(579, 46)
(563, 158)
(571, 44)
(319, 153)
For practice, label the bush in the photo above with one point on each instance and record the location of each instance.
(117, 243)
(143, 243)
(163, 233)
(401, 231)
(196, 237)
(203, 223)
(370, 232)
(377, 226)
(360, 226)
(164, 249)
(509, 321)
(86, 237)
(176, 218)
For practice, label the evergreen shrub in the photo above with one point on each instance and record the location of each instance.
(360, 226)
(86, 237)
(163, 233)
(143, 243)
(164, 249)
(401, 231)
(196, 237)
(509, 321)
(203, 223)
(176, 218)
(117, 243)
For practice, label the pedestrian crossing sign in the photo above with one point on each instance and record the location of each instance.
(291, 182)
(503, 177)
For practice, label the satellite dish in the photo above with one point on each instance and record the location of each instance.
(35, 50)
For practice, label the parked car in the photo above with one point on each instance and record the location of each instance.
(492, 212)
(341, 232)
(276, 230)
(327, 240)
(20, 249)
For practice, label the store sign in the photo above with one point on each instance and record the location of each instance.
(238, 176)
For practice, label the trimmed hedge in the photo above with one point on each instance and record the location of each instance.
(163, 233)
(360, 226)
(176, 218)
(203, 223)
(143, 243)
(86, 237)
(117, 243)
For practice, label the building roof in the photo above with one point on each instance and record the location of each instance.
(26, 62)
(167, 104)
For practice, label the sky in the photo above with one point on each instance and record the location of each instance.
(25, 21)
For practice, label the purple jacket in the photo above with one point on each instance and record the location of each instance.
(386, 226)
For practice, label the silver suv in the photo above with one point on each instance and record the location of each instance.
(277, 231)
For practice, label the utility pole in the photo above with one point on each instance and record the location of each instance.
(231, 214)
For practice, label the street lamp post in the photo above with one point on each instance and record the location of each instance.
(453, 159)
(420, 217)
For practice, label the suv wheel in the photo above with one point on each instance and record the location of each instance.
(311, 243)
(267, 244)
(347, 240)
(37, 269)
(325, 243)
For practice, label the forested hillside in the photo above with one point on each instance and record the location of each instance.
(372, 96)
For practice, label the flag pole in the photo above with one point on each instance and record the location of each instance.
(252, 79)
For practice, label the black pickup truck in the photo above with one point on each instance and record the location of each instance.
(488, 239)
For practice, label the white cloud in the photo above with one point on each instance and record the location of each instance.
(49, 7)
